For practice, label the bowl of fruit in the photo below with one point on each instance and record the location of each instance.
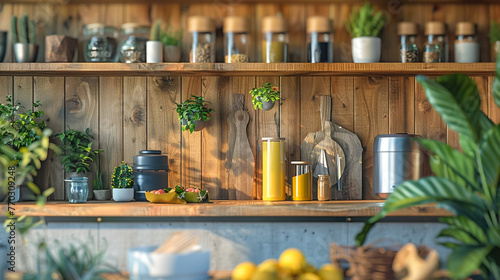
(178, 195)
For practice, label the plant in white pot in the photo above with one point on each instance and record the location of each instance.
(264, 97)
(365, 26)
(122, 182)
(154, 47)
(100, 193)
(194, 113)
(25, 48)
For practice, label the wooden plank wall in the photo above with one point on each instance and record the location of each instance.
(69, 20)
(128, 114)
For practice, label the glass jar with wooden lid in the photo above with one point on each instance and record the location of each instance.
(408, 35)
(202, 31)
(275, 39)
(133, 42)
(436, 46)
(237, 39)
(319, 39)
(466, 43)
(100, 43)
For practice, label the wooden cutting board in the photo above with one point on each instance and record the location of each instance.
(238, 102)
(243, 160)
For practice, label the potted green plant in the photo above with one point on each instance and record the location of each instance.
(495, 39)
(194, 113)
(365, 25)
(154, 47)
(466, 181)
(122, 182)
(264, 97)
(78, 156)
(171, 40)
(100, 193)
(25, 48)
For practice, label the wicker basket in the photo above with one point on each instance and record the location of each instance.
(370, 261)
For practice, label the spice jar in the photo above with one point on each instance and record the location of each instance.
(302, 181)
(436, 47)
(319, 39)
(466, 43)
(100, 43)
(133, 42)
(237, 39)
(275, 39)
(273, 169)
(324, 188)
(202, 31)
(408, 41)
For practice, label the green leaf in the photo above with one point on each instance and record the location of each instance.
(465, 259)
(467, 225)
(459, 235)
(489, 149)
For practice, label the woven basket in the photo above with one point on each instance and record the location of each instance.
(370, 261)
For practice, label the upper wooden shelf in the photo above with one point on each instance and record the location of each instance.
(220, 208)
(242, 69)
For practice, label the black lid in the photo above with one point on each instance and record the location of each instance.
(150, 160)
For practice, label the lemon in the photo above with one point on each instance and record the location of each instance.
(309, 268)
(331, 272)
(293, 260)
(265, 275)
(270, 265)
(309, 276)
(244, 271)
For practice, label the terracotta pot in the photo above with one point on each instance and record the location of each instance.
(171, 53)
(102, 194)
(123, 195)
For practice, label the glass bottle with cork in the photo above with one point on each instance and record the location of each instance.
(275, 39)
(319, 39)
(237, 39)
(408, 41)
(273, 169)
(202, 31)
(466, 43)
(436, 46)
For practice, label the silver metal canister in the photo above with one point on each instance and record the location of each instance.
(396, 158)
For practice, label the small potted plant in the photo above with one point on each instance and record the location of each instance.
(365, 26)
(194, 113)
(25, 48)
(154, 47)
(122, 182)
(78, 157)
(264, 97)
(100, 193)
(495, 39)
(171, 44)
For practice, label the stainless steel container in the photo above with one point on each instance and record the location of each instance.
(150, 173)
(396, 158)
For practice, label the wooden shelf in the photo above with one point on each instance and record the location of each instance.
(242, 69)
(220, 208)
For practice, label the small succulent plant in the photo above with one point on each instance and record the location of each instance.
(123, 177)
(365, 22)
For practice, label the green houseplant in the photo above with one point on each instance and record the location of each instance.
(24, 39)
(466, 182)
(100, 192)
(264, 97)
(365, 25)
(495, 39)
(194, 113)
(171, 40)
(122, 182)
(154, 47)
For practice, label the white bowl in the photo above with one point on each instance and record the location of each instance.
(143, 264)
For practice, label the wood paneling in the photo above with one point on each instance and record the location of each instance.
(134, 117)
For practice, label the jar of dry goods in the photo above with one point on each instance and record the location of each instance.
(202, 31)
(237, 39)
(133, 42)
(275, 39)
(466, 43)
(100, 43)
(436, 46)
(407, 32)
(319, 39)
(324, 188)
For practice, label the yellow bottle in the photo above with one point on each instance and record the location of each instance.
(302, 181)
(273, 169)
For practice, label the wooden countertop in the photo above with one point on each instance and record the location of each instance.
(242, 69)
(220, 208)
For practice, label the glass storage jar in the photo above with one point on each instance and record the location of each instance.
(302, 181)
(324, 188)
(77, 189)
(275, 39)
(133, 42)
(202, 31)
(100, 43)
(407, 32)
(466, 43)
(319, 39)
(273, 169)
(237, 39)
(436, 46)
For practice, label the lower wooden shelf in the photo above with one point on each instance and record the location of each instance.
(219, 208)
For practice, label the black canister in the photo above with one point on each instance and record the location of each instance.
(150, 173)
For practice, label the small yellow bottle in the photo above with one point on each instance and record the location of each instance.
(273, 169)
(302, 181)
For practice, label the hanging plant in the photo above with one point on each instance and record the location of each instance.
(193, 113)
(264, 97)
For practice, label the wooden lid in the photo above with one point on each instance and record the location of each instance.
(236, 25)
(319, 24)
(407, 28)
(435, 28)
(465, 28)
(200, 24)
(274, 24)
(131, 25)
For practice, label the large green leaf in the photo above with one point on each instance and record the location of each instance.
(467, 225)
(465, 259)
(459, 235)
(447, 106)
(489, 149)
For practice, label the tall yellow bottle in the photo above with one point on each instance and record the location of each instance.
(273, 169)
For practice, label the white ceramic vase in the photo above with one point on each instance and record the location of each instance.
(123, 195)
(366, 49)
(154, 52)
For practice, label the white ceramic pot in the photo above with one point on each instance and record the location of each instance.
(366, 49)
(171, 53)
(154, 52)
(123, 195)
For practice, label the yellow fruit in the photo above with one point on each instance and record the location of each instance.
(265, 275)
(244, 271)
(309, 276)
(309, 268)
(270, 265)
(293, 260)
(331, 272)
